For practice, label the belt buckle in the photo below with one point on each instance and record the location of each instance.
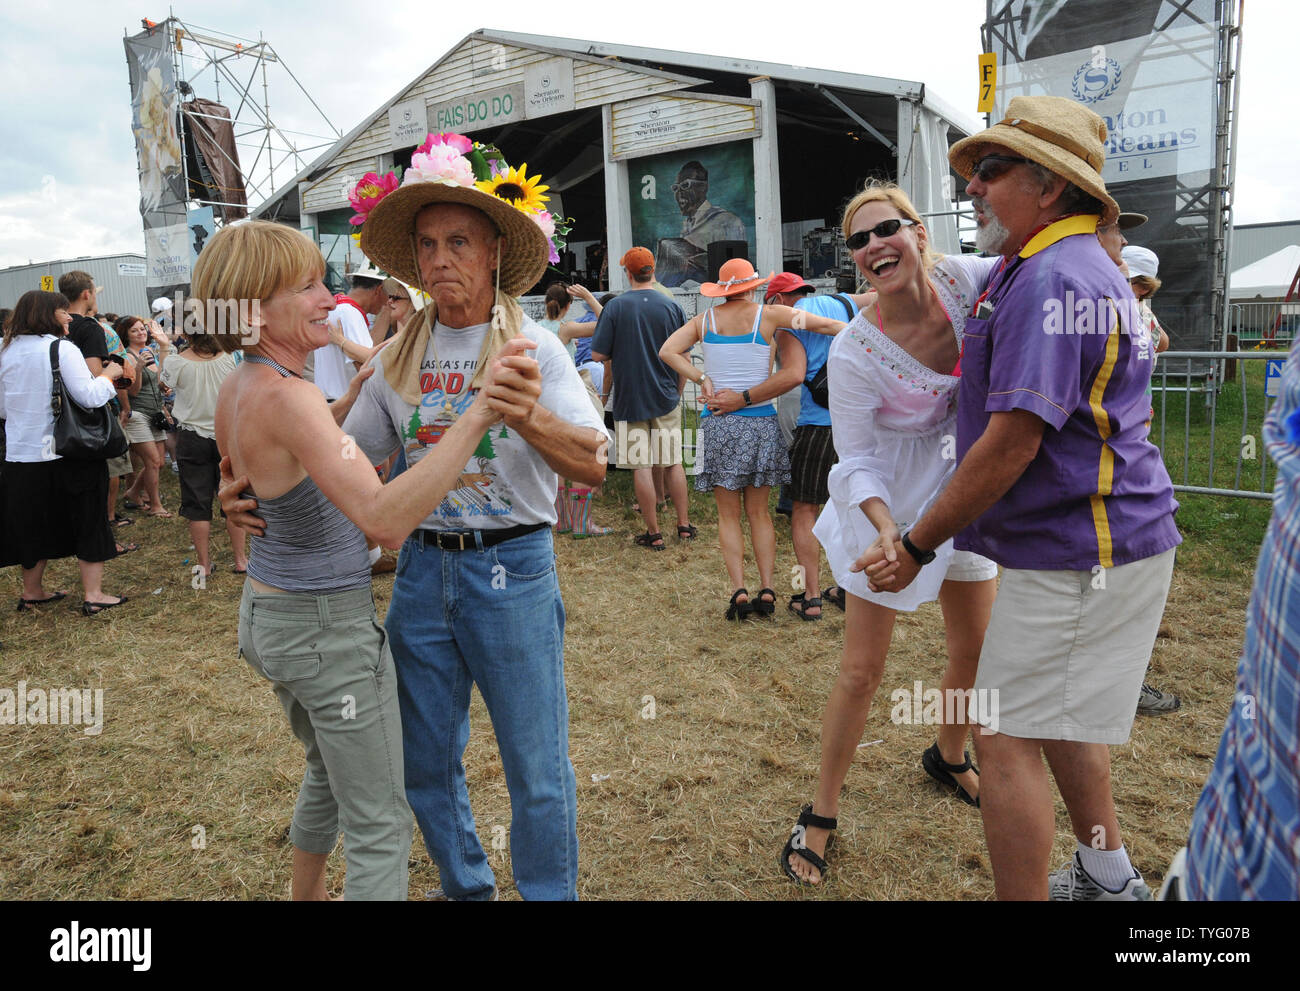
(449, 546)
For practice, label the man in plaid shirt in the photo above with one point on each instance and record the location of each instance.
(1245, 836)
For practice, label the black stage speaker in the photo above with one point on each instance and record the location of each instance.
(722, 251)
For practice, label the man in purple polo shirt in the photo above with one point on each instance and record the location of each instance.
(1058, 483)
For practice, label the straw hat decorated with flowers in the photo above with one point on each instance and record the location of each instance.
(450, 168)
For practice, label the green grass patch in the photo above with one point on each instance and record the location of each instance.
(1219, 446)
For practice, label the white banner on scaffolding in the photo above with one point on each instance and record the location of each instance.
(1156, 93)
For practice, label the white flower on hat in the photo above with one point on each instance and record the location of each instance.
(441, 163)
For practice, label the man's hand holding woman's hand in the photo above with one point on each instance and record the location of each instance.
(513, 383)
(724, 400)
(238, 509)
(888, 566)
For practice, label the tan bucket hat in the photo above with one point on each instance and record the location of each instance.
(1059, 134)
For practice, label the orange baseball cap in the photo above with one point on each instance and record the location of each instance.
(638, 261)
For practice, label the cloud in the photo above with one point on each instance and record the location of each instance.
(57, 221)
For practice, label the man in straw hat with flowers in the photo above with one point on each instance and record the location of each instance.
(1057, 482)
(476, 600)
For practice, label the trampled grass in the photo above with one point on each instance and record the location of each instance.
(188, 791)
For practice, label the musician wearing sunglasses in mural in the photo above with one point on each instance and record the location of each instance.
(686, 258)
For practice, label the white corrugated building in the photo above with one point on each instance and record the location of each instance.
(1251, 242)
(122, 277)
(613, 128)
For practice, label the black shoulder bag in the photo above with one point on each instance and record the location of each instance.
(819, 386)
(79, 433)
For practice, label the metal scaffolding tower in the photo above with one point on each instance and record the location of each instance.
(272, 149)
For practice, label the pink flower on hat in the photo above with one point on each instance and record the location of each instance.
(459, 142)
(546, 222)
(368, 192)
(440, 163)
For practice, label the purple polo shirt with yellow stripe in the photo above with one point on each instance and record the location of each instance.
(1053, 336)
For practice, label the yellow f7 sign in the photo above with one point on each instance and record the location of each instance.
(988, 81)
(47, 283)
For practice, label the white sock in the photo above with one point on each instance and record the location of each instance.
(1110, 868)
(375, 554)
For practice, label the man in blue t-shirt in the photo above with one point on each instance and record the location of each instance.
(812, 453)
(647, 393)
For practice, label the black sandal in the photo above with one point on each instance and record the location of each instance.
(837, 600)
(687, 532)
(648, 539)
(95, 608)
(939, 769)
(765, 607)
(800, 606)
(795, 844)
(29, 605)
(740, 610)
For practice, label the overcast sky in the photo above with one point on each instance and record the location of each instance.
(68, 181)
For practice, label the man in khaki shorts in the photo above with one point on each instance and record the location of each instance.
(647, 393)
(1056, 482)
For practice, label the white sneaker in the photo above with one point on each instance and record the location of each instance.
(1153, 702)
(1073, 884)
(1175, 887)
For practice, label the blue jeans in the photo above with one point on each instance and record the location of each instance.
(490, 617)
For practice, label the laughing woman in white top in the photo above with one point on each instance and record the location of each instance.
(894, 374)
(52, 506)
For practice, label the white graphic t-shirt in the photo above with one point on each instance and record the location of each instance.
(506, 482)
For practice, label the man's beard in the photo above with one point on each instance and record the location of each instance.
(992, 235)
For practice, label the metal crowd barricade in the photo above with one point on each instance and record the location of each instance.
(1257, 321)
(1207, 372)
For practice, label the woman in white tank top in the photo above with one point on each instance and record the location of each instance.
(740, 453)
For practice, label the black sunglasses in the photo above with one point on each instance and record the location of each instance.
(884, 229)
(990, 167)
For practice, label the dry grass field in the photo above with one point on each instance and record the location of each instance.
(188, 790)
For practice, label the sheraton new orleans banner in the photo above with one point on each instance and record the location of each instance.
(154, 106)
(1150, 69)
(1156, 94)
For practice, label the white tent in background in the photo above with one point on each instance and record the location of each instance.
(1268, 278)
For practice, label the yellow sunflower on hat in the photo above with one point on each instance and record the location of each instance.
(517, 188)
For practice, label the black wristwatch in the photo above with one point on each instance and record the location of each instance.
(921, 557)
(748, 401)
